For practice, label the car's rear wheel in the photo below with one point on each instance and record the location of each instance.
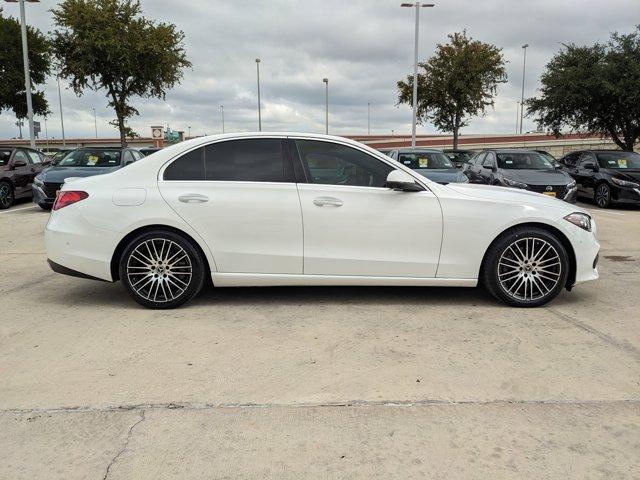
(162, 269)
(526, 267)
(602, 195)
(6, 195)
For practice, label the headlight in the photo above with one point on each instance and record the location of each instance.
(581, 220)
(38, 182)
(624, 183)
(513, 183)
(571, 185)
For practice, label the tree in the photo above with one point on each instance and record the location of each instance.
(13, 95)
(108, 45)
(459, 82)
(594, 89)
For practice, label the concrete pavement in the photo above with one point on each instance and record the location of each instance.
(317, 382)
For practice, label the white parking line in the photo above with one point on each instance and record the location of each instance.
(18, 209)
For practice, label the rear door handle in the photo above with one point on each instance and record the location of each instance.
(193, 198)
(327, 202)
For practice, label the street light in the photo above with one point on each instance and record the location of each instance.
(417, 6)
(27, 73)
(368, 118)
(326, 105)
(524, 69)
(259, 115)
(95, 122)
(189, 134)
(222, 112)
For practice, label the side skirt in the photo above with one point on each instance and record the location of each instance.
(273, 280)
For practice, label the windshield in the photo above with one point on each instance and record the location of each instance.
(430, 160)
(5, 155)
(459, 156)
(619, 160)
(524, 161)
(91, 158)
(59, 156)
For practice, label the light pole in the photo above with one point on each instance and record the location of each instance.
(19, 124)
(326, 105)
(524, 69)
(189, 134)
(61, 116)
(517, 114)
(417, 6)
(222, 112)
(259, 114)
(368, 118)
(95, 122)
(27, 73)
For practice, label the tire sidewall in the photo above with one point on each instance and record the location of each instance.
(197, 262)
(490, 267)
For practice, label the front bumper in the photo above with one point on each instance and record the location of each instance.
(40, 197)
(586, 249)
(626, 195)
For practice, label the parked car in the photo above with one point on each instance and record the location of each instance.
(18, 168)
(606, 176)
(459, 157)
(525, 169)
(430, 163)
(146, 151)
(232, 207)
(81, 162)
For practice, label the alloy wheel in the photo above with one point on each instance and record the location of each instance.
(602, 195)
(529, 269)
(159, 270)
(6, 196)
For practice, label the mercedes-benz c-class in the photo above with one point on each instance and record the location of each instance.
(267, 209)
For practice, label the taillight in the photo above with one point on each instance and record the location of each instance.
(68, 197)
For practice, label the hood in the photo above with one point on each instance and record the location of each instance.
(56, 174)
(631, 175)
(444, 175)
(512, 195)
(538, 177)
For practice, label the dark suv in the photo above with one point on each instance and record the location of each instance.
(18, 168)
(606, 176)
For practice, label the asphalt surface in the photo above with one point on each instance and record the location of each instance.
(317, 382)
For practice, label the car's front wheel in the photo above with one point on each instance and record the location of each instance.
(162, 269)
(526, 267)
(6, 195)
(602, 195)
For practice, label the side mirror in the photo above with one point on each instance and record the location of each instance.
(399, 180)
(46, 162)
(489, 167)
(19, 163)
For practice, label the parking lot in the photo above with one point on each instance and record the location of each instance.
(337, 382)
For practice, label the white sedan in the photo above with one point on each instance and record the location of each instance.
(301, 209)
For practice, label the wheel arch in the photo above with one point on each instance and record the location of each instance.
(562, 238)
(117, 253)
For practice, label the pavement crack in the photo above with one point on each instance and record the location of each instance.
(619, 344)
(125, 446)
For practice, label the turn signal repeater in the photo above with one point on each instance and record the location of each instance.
(68, 197)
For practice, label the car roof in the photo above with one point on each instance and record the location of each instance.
(511, 150)
(18, 146)
(417, 149)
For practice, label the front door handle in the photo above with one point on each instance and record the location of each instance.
(327, 202)
(193, 198)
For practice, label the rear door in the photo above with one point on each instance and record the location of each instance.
(354, 224)
(240, 196)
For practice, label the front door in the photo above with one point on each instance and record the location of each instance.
(241, 197)
(354, 225)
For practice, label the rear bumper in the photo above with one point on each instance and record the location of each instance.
(56, 267)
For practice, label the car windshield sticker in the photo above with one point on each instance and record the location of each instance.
(92, 160)
(423, 162)
(510, 162)
(622, 163)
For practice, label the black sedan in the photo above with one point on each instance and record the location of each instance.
(606, 176)
(526, 169)
(81, 162)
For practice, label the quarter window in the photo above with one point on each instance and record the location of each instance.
(250, 160)
(189, 166)
(335, 164)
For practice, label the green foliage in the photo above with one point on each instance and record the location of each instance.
(12, 89)
(459, 82)
(594, 89)
(108, 45)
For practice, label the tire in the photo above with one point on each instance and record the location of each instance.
(167, 278)
(602, 195)
(6, 195)
(45, 207)
(525, 267)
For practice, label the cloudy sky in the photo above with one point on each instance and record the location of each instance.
(363, 46)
